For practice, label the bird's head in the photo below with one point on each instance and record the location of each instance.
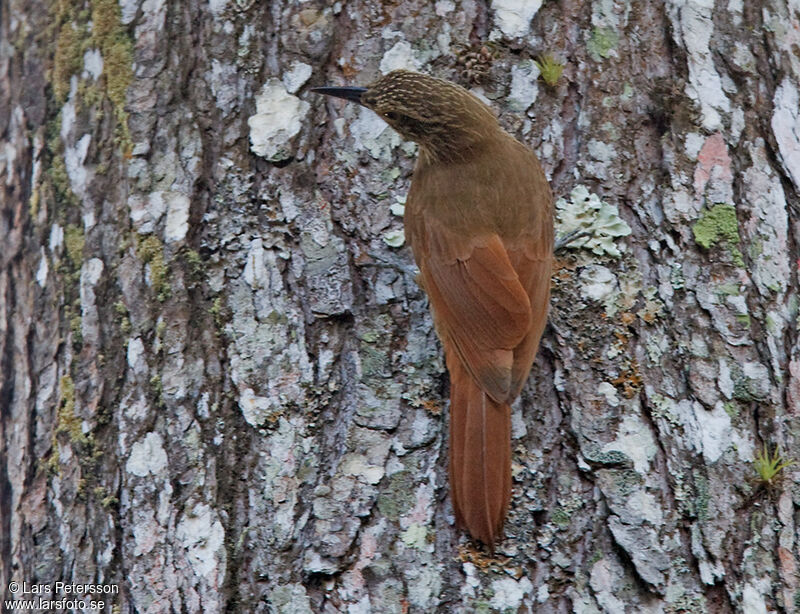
(444, 118)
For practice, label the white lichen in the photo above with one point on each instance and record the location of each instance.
(524, 86)
(91, 271)
(56, 239)
(43, 270)
(92, 64)
(147, 456)
(394, 238)
(296, 77)
(401, 55)
(255, 273)
(371, 133)
(635, 440)
(509, 593)
(513, 17)
(135, 355)
(278, 119)
(254, 408)
(586, 212)
(693, 27)
(599, 284)
(203, 537)
(786, 127)
(177, 224)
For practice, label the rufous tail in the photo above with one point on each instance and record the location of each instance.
(480, 456)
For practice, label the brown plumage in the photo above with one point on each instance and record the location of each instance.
(479, 220)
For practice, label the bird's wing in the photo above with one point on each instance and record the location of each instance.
(533, 264)
(481, 310)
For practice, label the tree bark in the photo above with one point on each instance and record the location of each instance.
(220, 389)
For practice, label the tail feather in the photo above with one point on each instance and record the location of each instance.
(480, 456)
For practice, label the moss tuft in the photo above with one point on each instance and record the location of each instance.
(769, 466)
(151, 252)
(549, 69)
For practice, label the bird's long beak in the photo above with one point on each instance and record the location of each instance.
(353, 94)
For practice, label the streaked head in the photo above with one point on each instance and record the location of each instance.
(441, 116)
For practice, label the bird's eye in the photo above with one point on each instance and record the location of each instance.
(393, 115)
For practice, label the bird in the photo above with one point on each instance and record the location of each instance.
(479, 221)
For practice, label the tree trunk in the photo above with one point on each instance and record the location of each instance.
(220, 389)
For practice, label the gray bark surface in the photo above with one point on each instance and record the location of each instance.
(220, 388)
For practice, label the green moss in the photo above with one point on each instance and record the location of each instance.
(151, 252)
(91, 95)
(718, 225)
(158, 389)
(196, 265)
(106, 500)
(74, 242)
(602, 42)
(216, 312)
(66, 420)
(33, 203)
(110, 36)
(68, 59)
(76, 329)
(124, 320)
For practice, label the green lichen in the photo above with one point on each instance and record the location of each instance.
(415, 536)
(560, 518)
(688, 603)
(745, 388)
(602, 42)
(719, 226)
(702, 498)
(586, 213)
(728, 289)
(398, 496)
(550, 69)
(151, 253)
